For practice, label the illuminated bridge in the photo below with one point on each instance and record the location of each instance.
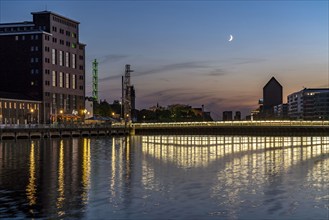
(233, 127)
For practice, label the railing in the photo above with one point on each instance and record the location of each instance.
(232, 124)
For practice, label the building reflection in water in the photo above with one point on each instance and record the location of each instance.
(120, 172)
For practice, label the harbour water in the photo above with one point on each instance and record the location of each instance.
(166, 177)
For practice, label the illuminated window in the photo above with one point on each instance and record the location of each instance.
(67, 80)
(61, 58)
(54, 80)
(53, 56)
(73, 60)
(67, 59)
(61, 79)
(74, 81)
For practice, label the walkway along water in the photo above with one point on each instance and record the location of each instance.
(222, 127)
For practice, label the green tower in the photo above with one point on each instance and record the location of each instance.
(95, 80)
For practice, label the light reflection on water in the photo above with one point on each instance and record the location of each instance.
(161, 177)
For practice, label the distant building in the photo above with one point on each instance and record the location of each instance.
(18, 109)
(237, 116)
(44, 59)
(309, 104)
(272, 96)
(227, 116)
(281, 111)
(89, 107)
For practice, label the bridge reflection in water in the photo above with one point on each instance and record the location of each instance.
(267, 174)
(197, 151)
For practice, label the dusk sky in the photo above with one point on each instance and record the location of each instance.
(180, 50)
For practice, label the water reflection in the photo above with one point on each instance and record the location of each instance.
(31, 187)
(165, 177)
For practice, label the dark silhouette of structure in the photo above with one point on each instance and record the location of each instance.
(44, 59)
(272, 96)
(227, 116)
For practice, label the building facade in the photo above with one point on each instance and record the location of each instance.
(309, 104)
(44, 59)
(18, 109)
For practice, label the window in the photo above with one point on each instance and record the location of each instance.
(23, 37)
(81, 87)
(67, 59)
(54, 40)
(74, 35)
(36, 48)
(68, 102)
(74, 82)
(74, 45)
(36, 59)
(54, 80)
(68, 33)
(37, 37)
(80, 67)
(67, 80)
(61, 58)
(61, 101)
(32, 37)
(54, 101)
(73, 60)
(32, 48)
(60, 79)
(53, 56)
(32, 71)
(74, 101)
(16, 37)
(32, 60)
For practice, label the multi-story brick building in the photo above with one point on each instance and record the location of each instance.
(43, 59)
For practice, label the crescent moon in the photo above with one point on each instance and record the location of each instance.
(231, 38)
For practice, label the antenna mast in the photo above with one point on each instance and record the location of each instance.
(95, 80)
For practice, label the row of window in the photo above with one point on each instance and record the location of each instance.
(23, 37)
(61, 42)
(68, 33)
(15, 105)
(63, 101)
(62, 21)
(64, 59)
(62, 80)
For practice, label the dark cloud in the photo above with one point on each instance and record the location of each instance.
(240, 61)
(166, 68)
(217, 72)
(112, 58)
